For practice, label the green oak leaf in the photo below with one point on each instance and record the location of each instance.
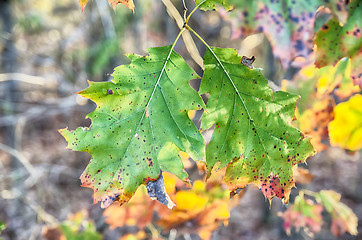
(335, 41)
(213, 4)
(139, 125)
(252, 136)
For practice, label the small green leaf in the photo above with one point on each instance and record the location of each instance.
(140, 123)
(253, 136)
(213, 4)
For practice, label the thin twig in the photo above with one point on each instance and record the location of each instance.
(107, 22)
(65, 104)
(185, 9)
(173, 234)
(23, 78)
(22, 159)
(42, 214)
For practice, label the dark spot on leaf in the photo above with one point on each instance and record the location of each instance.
(299, 45)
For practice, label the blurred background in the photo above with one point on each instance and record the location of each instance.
(48, 51)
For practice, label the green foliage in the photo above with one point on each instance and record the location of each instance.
(78, 227)
(2, 228)
(213, 4)
(101, 54)
(252, 135)
(89, 233)
(140, 123)
(306, 213)
(288, 24)
(31, 23)
(141, 120)
(345, 40)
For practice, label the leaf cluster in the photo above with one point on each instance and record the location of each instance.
(141, 122)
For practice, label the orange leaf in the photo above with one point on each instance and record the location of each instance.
(138, 211)
(127, 3)
(314, 121)
(302, 175)
(82, 3)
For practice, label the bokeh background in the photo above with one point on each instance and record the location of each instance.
(48, 51)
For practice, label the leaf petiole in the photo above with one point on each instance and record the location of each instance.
(192, 12)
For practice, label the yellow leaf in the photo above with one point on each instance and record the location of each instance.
(199, 186)
(134, 236)
(346, 128)
(308, 71)
(170, 182)
(337, 79)
(186, 200)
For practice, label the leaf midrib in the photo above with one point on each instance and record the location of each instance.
(144, 112)
(241, 99)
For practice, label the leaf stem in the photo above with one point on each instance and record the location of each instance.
(192, 12)
(188, 41)
(198, 36)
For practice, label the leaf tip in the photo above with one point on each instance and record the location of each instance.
(62, 130)
(82, 4)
